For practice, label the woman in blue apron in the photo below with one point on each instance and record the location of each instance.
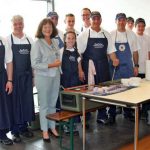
(6, 117)
(70, 67)
(22, 78)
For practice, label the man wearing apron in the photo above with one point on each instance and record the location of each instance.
(95, 46)
(125, 43)
(22, 78)
(6, 118)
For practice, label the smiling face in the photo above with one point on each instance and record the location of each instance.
(86, 16)
(121, 23)
(70, 40)
(140, 27)
(17, 26)
(47, 30)
(95, 23)
(70, 22)
(54, 20)
(130, 25)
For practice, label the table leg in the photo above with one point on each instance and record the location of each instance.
(83, 112)
(136, 131)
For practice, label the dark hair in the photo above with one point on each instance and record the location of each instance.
(130, 19)
(70, 15)
(39, 33)
(140, 20)
(86, 9)
(75, 46)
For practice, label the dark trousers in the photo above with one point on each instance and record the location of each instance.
(102, 114)
(18, 128)
(3, 133)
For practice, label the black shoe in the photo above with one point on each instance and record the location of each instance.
(103, 121)
(6, 141)
(47, 140)
(27, 134)
(16, 138)
(130, 117)
(112, 119)
(87, 126)
(50, 131)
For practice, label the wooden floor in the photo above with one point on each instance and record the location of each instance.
(144, 144)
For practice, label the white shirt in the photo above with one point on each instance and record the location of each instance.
(17, 40)
(82, 39)
(144, 43)
(84, 28)
(147, 31)
(61, 34)
(8, 51)
(122, 37)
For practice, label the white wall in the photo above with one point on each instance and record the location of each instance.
(34, 11)
(107, 8)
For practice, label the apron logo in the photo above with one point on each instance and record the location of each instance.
(72, 58)
(98, 45)
(24, 51)
(122, 47)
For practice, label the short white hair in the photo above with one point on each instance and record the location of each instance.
(17, 18)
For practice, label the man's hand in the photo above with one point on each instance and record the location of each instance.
(9, 87)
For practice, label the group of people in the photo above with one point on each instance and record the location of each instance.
(68, 58)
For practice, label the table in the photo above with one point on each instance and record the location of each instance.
(130, 98)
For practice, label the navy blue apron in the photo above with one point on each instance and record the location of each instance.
(123, 53)
(96, 50)
(125, 68)
(23, 91)
(6, 118)
(70, 76)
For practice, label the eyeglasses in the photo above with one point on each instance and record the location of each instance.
(84, 15)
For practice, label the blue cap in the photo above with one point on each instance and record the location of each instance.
(120, 15)
(52, 14)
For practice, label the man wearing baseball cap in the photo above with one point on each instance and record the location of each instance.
(126, 46)
(54, 17)
(95, 45)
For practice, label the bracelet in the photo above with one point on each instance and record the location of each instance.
(9, 81)
(136, 65)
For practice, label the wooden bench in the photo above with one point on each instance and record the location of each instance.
(68, 115)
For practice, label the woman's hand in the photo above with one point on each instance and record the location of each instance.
(81, 76)
(56, 63)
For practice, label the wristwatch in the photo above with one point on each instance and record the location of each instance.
(136, 65)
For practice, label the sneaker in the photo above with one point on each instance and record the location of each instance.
(6, 141)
